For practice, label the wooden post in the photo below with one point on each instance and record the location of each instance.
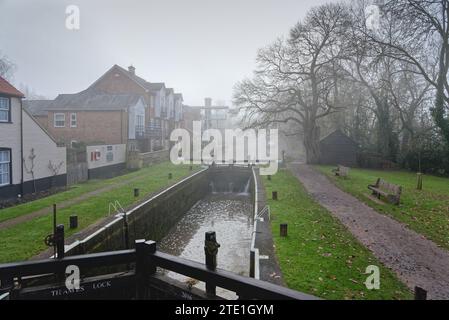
(54, 229)
(144, 267)
(252, 263)
(283, 230)
(170, 176)
(59, 240)
(419, 184)
(136, 192)
(269, 178)
(420, 294)
(211, 250)
(274, 195)
(73, 221)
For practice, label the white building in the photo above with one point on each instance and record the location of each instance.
(30, 159)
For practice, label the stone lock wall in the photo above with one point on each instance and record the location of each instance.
(154, 218)
(150, 220)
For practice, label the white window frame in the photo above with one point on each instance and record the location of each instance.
(8, 164)
(54, 120)
(8, 109)
(72, 120)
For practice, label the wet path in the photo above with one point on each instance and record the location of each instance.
(416, 260)
(230, 216)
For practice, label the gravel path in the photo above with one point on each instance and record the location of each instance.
(416, 260)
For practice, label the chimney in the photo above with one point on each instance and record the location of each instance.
(132, 70)
(208, 102)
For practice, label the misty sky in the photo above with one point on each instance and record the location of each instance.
(199, 47)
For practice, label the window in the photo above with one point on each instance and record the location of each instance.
(140, 128)
(5, 110)
(59, 120)
(109, 154)
(73, 121)
(73, 144)
(5, 167)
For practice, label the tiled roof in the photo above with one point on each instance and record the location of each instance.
(147, 85)
(37, 107)
(156, 85)
(7, 89)
(92, 100)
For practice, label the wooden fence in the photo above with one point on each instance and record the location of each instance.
(77, 172)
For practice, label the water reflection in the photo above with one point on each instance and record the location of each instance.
(230, 216)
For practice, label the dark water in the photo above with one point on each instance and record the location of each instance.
(230, 216)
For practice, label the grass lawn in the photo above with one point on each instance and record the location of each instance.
(25, 240)
(73, 192)
(426, 211)
(320, 256)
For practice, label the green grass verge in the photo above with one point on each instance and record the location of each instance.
(426, 211)
(71, 193)
(25, 240)
(320, 256)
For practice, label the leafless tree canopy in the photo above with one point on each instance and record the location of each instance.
(386, 86)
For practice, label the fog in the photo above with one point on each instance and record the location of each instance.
(199, 47)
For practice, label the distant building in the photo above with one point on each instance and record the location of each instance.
(162, 111)
(30, 159)
(38, 108)
(213, 117)
(338, 149)
(94, 117)
(190, 114)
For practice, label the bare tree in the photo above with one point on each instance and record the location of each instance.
(295, 78)
(54, 168)
(420, 38)
(7, 67)
(30, 169)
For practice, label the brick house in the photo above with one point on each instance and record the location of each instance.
(95, 117)
(160, 102)
(30, 159)
(162, 111)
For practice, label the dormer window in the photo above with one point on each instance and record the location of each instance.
(5, 110)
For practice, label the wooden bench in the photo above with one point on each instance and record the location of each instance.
(390, 191)
(341, 171)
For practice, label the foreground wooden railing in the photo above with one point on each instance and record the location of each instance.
(145, 259)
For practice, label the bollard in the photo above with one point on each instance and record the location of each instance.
(420, 294)
(274, 195)
(211, 250)
(59, 240)
(419, 184)
(283, 230)
(269, 178)
(252, 263)
(73, 221)
(136, 192)
(191, 168)
(170, 176)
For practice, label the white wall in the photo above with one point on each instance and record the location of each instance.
(118, 155)
(10, 138)
(45, 150)
(138, 109)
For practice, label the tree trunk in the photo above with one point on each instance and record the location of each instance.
(312, 144)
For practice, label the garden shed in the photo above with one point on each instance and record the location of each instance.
(337, 148)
